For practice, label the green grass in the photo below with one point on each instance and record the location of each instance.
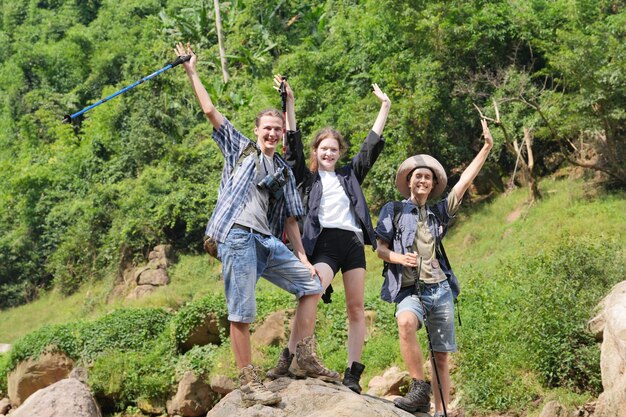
(497, 259)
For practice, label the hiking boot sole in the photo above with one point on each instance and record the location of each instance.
(272, 375)
(418, 409)
(301, 374)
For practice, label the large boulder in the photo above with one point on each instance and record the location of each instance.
(155, 277)
(31, 375)
(140, 291)
(309, 397)
(272, 331)
(389, 383)
(66, 398)
(5, 406)
(193, 397)
(208, 331)
(612, 402)
(161, 256)
(553, 409)
(222, 384)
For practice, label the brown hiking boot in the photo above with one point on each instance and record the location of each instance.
(282, 367)
(253, 391)
(417, 399)
(306, 363)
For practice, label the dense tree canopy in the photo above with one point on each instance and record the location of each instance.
(76, 200)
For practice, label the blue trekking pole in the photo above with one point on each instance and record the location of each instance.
(68, 118)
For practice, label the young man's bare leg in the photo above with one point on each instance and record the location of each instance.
(418, 397)
(444, 373)
(240, 342)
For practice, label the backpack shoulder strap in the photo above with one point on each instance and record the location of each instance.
(249, 149)
(397, 211)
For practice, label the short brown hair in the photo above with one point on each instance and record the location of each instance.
(325, 133)
(268, 112)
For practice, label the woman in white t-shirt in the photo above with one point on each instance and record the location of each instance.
(337, 225)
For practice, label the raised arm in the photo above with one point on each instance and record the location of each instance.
(474, 167)
(214, 116)
(373, 145)
(294, 152)
(291, 111)
(385, 105)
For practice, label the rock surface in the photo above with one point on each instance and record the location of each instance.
(193, 397)
(612, 402)
(66, 398)
(553, 409)
(208, 331)
(222, 384)
(309, 397)
(5, 406)
(272, 331)
(33, 374)
(389, 383)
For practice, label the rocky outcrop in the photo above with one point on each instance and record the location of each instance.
(208, 331)
(389, 383)
(193, 397)
(553, 409)
(309, 397)
(34, 374)
(66, 398)
(611, 323)
(272, 331)
(5, 406)
(147, 279)
(222, 384)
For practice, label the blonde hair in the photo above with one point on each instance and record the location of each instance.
(325, 133)
(268, 112)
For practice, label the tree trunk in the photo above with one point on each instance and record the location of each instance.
(218, 24)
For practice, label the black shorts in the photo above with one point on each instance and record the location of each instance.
(339, 249)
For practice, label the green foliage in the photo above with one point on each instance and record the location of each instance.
(63, 338)
(199, 359)
(194, 313)
(126, 376)
(535, 308)
(142, 170)
(123, 330)
(558, 302)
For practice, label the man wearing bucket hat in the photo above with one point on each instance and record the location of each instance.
(418, 276)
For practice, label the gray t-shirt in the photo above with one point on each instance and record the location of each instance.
(254, 212)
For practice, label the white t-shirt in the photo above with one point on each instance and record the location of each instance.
(335, 208)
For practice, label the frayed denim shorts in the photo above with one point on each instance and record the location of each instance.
(246, 256)
(439, 304)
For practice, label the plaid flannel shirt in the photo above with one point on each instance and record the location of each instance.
(235, 189)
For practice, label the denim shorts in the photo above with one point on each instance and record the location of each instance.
(246, 257)
(439, 304)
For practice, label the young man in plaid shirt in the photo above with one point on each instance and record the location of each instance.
(258, 199)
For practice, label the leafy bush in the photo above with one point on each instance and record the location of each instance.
(122, 377)
(535, 309)
(123, 330)
(193, 314)
(63, 338)
(199, 359)
(561, 291)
